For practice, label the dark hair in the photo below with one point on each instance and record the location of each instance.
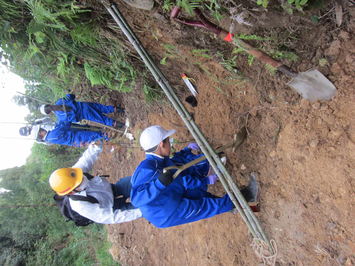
(47, 109)
(152, 149)
(156, 147)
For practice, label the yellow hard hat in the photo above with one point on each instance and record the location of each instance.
(65, 180)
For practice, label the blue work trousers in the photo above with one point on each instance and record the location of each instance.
(95, 112)
(121, 192)
(192, 210)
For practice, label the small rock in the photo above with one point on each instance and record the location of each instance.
(336, 133)
(316, 105)
(313, 143)
(242, 167)
(272, 154)
(324, 107)
(348, 262)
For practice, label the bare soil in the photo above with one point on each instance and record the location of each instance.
(304, 152)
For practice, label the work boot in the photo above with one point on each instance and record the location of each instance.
(140, 4)
(252, 191)
(118, 125)
(119, 109)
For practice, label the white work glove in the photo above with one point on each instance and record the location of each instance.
(94, 147)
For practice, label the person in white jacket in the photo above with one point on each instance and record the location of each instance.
(111, 208)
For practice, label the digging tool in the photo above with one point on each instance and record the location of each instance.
(238, 140)
(311, 85)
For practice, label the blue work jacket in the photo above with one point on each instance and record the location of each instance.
(157, 201)
(74, 115)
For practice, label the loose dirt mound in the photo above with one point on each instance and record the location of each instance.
(304, 152)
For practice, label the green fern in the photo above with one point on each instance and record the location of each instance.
(85, 34)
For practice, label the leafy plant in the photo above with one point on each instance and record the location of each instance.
(292, 4)
(170, 52)
(201, 53)
(284, 55)
(263, 3)
(215, 9)
(189, 5)
(168, 5)
(151, 94)
(230, 64)
(250, 37)
(288, 5)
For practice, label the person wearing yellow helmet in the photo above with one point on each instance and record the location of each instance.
(110, 205)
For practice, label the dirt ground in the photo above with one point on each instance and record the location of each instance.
(304, 152)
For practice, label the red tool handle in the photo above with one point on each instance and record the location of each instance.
(228, 37)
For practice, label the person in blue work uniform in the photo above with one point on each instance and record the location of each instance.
(67, 134)
(167, 202)
(68, 110)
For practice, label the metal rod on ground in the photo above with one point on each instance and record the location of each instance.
(212, 157)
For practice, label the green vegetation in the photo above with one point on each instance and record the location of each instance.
(288, 5)
(201, 53)
(213, 6)
(170, 52)
(32, 230)
(57, 45)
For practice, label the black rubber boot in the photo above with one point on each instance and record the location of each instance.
(252, 191)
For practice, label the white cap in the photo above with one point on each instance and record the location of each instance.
(34, 132)
(152, 136)
(42, 109)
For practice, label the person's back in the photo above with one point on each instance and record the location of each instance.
(108, 210)
(156, 201)
(110, 205)
(167, 201)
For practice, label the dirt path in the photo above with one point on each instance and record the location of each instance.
(304, 152)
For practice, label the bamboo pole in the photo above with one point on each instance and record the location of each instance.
(212, 157)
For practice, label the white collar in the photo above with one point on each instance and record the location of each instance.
(154, 154)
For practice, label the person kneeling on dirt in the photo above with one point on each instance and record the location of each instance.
(167, 202)
(67, 134)
(109, 205)
(68, 110)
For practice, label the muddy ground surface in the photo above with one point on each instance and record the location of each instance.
(303, 152)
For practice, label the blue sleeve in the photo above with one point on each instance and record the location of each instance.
(145, 185)
(190, 182)
(70, 97)
(184, 156)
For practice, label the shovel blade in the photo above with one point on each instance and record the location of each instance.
(313, 85)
